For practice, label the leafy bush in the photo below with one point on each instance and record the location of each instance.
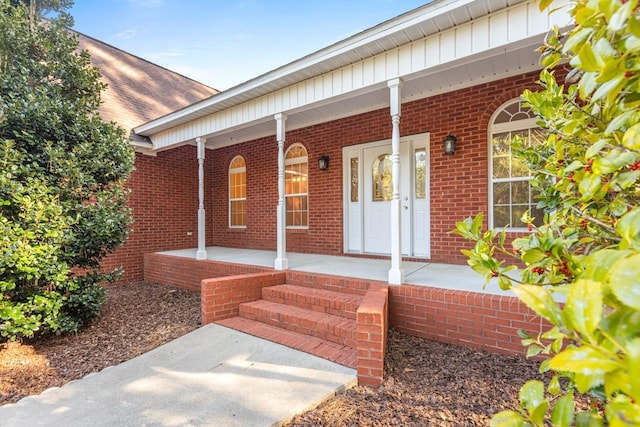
(62, 196)
(588, 249)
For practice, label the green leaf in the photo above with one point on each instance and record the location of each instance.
(539, 300)
(531, 395)
(616, 382)
(544, 4)
(533, 255)
(634, 26)
(588, 419)
(618, 122)
(610, 88)
(587, 84)
(539, 412)
(476, 225)
(577, 38)
(603, 166)
(633, 366)
(589, 185)
(563, 411)
(583, 309)
(631, 138)
(624, 281)
(628, 227)
(627, 179)
(507, 419)
(623, 412)
(594, 149)
(589, 381)
(534, 350)
(617, 21)
(554, 386)
(598, 265)
(587, 59)
(583, 360)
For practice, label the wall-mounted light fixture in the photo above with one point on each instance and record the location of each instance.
(450, 144)
(323, 163)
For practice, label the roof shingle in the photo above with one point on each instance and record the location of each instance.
(139, 91)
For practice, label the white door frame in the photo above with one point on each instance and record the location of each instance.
(354, 211)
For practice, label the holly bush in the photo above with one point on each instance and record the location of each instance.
(62, 195)
(587, 252)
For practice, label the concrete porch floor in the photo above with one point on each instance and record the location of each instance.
(443, 276)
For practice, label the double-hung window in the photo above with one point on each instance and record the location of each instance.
(510, 190)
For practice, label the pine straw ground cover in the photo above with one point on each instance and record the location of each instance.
(426, 383)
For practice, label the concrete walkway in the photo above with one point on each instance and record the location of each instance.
(213, 376)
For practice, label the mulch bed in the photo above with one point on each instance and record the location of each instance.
(429, 384)
(426, 383)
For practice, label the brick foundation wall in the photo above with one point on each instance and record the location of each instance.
(482, 321)
(187, 273)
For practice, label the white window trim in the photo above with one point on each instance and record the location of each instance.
(500, 128)
(231, 172)
(296, 161)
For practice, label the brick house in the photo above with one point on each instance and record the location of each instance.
(372, 147)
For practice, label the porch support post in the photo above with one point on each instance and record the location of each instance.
(201, 253)
(396, 273)
(281, 262)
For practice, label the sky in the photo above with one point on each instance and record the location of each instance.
(226, 43)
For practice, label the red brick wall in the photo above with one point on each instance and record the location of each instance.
(372, 329)
(459, 183)
(164, 195)
(221, 297)
(482, 321)
(188, 272)
(164, 203)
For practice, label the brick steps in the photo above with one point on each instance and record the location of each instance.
(330, 302)
(337, 329)
(317, 321)
(336, 353)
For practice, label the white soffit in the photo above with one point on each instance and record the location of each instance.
(438, 47)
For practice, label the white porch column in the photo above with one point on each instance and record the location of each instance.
(396, 273)
(281, 262)
(201, 253)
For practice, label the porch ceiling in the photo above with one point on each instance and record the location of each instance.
(470, 72)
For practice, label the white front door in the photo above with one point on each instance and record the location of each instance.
(378, 190)
(368, 193)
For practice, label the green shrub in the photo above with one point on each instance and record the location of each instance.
(588, 249)
(62, 195)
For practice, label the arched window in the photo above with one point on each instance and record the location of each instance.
(510, 193)
(296, 169)
(237, 192)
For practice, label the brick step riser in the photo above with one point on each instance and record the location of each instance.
(328, 350)
(334, 333)
(328, 283)
(334, 307)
